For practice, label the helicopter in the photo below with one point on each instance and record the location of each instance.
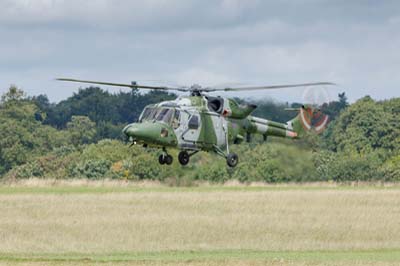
(201, 122)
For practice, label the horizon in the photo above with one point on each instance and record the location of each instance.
(179, 94)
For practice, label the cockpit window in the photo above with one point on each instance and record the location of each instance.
(165, 115)
(145, 114)
(161, 114)
(148, 114)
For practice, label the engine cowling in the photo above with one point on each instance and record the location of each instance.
(229, 107)
(238, 111)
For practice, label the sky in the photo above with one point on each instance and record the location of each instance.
(218, 42)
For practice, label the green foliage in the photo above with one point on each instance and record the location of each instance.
(21, 135)
(334, 108)
(143, 167)
(361, 144)
(64, 150)
(112, 150)
(363, 127)
(95, 160)
(13, 95)
(391, 169)
(275, 162)
(31, 169)
(348, 167)
(101, 106)
(272, 110)
(109, 131)
(323, 162)
(211, 172)
(92, 169)
(81, 129)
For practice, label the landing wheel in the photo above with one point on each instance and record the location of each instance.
(165, 159)
(161, 159)
(232, 159)
(168, 159)
(183, 157)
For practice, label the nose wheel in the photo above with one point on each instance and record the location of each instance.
(165, 159)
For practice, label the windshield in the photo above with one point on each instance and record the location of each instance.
(149, 113)
(158, 114)
(165, 115)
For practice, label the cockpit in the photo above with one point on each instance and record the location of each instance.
(170, 116)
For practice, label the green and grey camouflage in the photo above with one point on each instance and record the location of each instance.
(204, 123)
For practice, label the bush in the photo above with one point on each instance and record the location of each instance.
(274, 162)
(32, 169)
(391, 169)
(64, 150)
(348, 167)
(92, 169)
(215, 172)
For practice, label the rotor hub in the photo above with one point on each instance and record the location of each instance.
(195, 90)
(195, 87)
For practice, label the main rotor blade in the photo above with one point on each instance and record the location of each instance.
(132, 86)
(271, 87)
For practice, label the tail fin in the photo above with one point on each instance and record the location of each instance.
(309, 118)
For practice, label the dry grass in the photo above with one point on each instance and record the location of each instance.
(156, 221)
(39, 182)
(113, 183)
(204, 263)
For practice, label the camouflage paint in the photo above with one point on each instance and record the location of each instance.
(208, 136)
(157, 133)
(237, 111)
(232, 125)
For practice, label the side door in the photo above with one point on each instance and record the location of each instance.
(192, 129)
(216, 127)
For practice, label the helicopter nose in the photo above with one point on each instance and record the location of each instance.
(135, 131)
(150, 133)
(130, 130)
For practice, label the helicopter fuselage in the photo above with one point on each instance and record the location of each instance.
(201, 123)
(206, 123)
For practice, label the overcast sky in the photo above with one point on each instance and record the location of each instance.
(353, 43)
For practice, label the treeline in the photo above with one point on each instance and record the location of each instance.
(80, 137)
(108, 111)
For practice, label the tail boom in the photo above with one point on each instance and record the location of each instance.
(295, 128)
(272, 128)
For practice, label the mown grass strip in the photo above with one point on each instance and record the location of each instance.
(369, 255)
(138, 189)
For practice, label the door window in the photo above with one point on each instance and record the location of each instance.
(194, 122)
(176, 119)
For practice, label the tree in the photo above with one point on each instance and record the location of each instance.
(82, 130)
(22, 136)
(13, 94)
(334, 108)
(363, 127)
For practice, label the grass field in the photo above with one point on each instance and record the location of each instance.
(287, 225)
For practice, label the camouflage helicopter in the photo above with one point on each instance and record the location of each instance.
(200, 122)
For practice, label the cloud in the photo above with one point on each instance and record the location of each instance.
(353, 43)
(125, 15)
